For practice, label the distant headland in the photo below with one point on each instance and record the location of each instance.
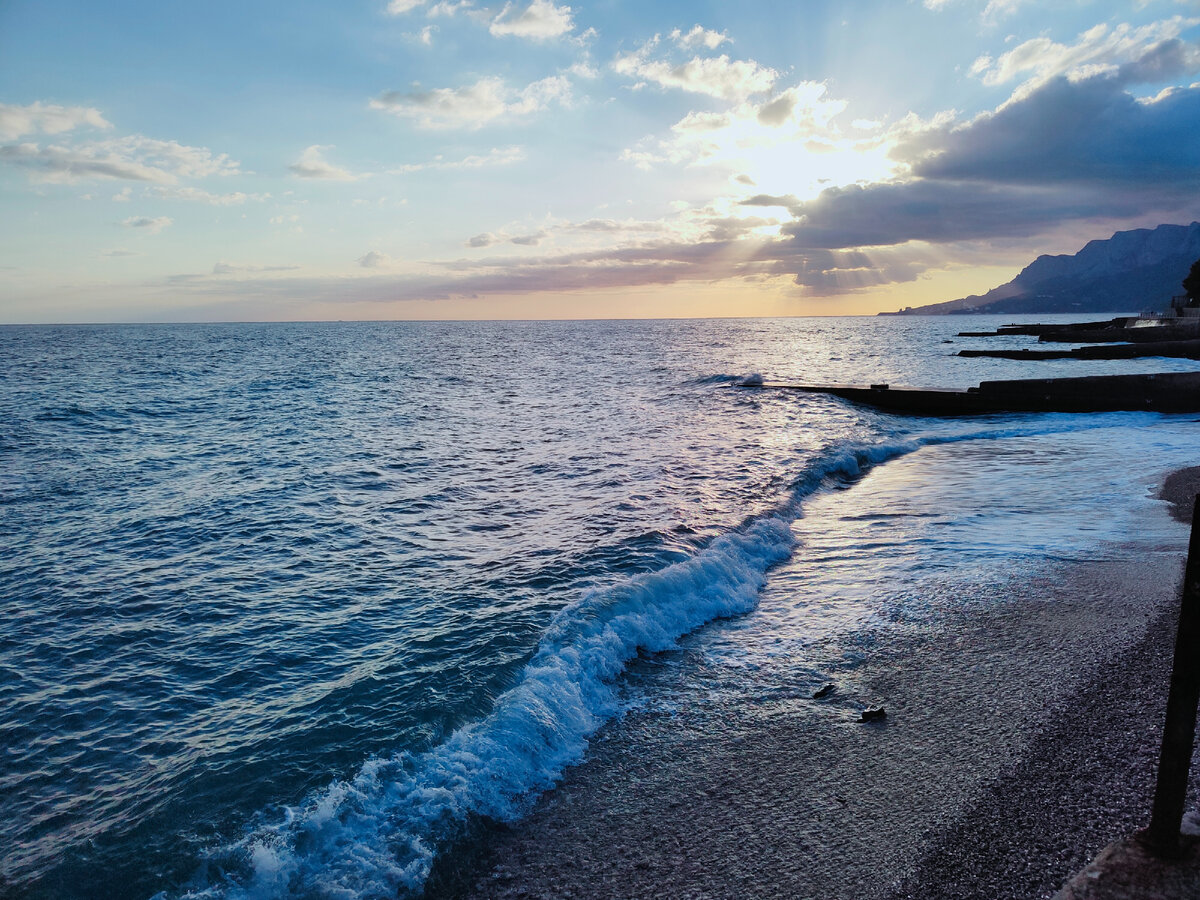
(1131, 271)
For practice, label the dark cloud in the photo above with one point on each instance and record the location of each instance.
(528, 240)
(827, 273)
(787, 201)
(1163, 62)
(778, 110)
(1069, 133)
(1083, 149)
(938, 212)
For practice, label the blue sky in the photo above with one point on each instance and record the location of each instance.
(450, 159)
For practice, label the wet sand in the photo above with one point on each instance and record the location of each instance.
(1180, 490)
(1021, 737)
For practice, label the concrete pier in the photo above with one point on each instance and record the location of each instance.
(1167, 392)
(1189, 349)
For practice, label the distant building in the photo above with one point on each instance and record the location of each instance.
(1183, 307)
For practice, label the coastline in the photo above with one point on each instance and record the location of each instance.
(1021, 738)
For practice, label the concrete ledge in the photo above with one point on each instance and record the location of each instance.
(1125, 871)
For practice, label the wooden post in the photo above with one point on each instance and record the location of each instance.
(1179, 732)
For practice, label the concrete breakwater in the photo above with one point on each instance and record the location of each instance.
(1165, 392)
(1189, 349)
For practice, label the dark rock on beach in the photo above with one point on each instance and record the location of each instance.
(872, 714)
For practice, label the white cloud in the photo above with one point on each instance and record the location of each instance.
(312, 164)
(475, 105)
(426, 35)
(614, 226)
(699, 37)
(993, 11)
(448, 9)
(148, 224)
(132, 158)
(539, 21)
(236, 198)
(529, 240)
(497, 156)
(999, 9)
(41, 118)
(788, 143)
(224, 268)
(124, 196)
(720, 77)
(584, 70)
(372, 260)
(1096, 50)
(399, 7)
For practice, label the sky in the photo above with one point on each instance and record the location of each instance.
(451, 159)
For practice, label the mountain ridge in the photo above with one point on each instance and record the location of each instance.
(1131, 271)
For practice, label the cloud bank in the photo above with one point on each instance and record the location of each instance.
(714, 76)
(486, 101)
(42, 118)
(541, 20)
(132, 158)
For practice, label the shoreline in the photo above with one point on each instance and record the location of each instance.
(1021, 738)
(1180, 489)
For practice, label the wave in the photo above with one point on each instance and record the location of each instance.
(376, 834)
(721, 379)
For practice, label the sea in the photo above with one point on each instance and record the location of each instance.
(288, 609)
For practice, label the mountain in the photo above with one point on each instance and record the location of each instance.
(1130, 272)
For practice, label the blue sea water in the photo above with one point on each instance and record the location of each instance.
(286, 606)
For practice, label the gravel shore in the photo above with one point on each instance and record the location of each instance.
(1085, 780)
(1021, 737)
